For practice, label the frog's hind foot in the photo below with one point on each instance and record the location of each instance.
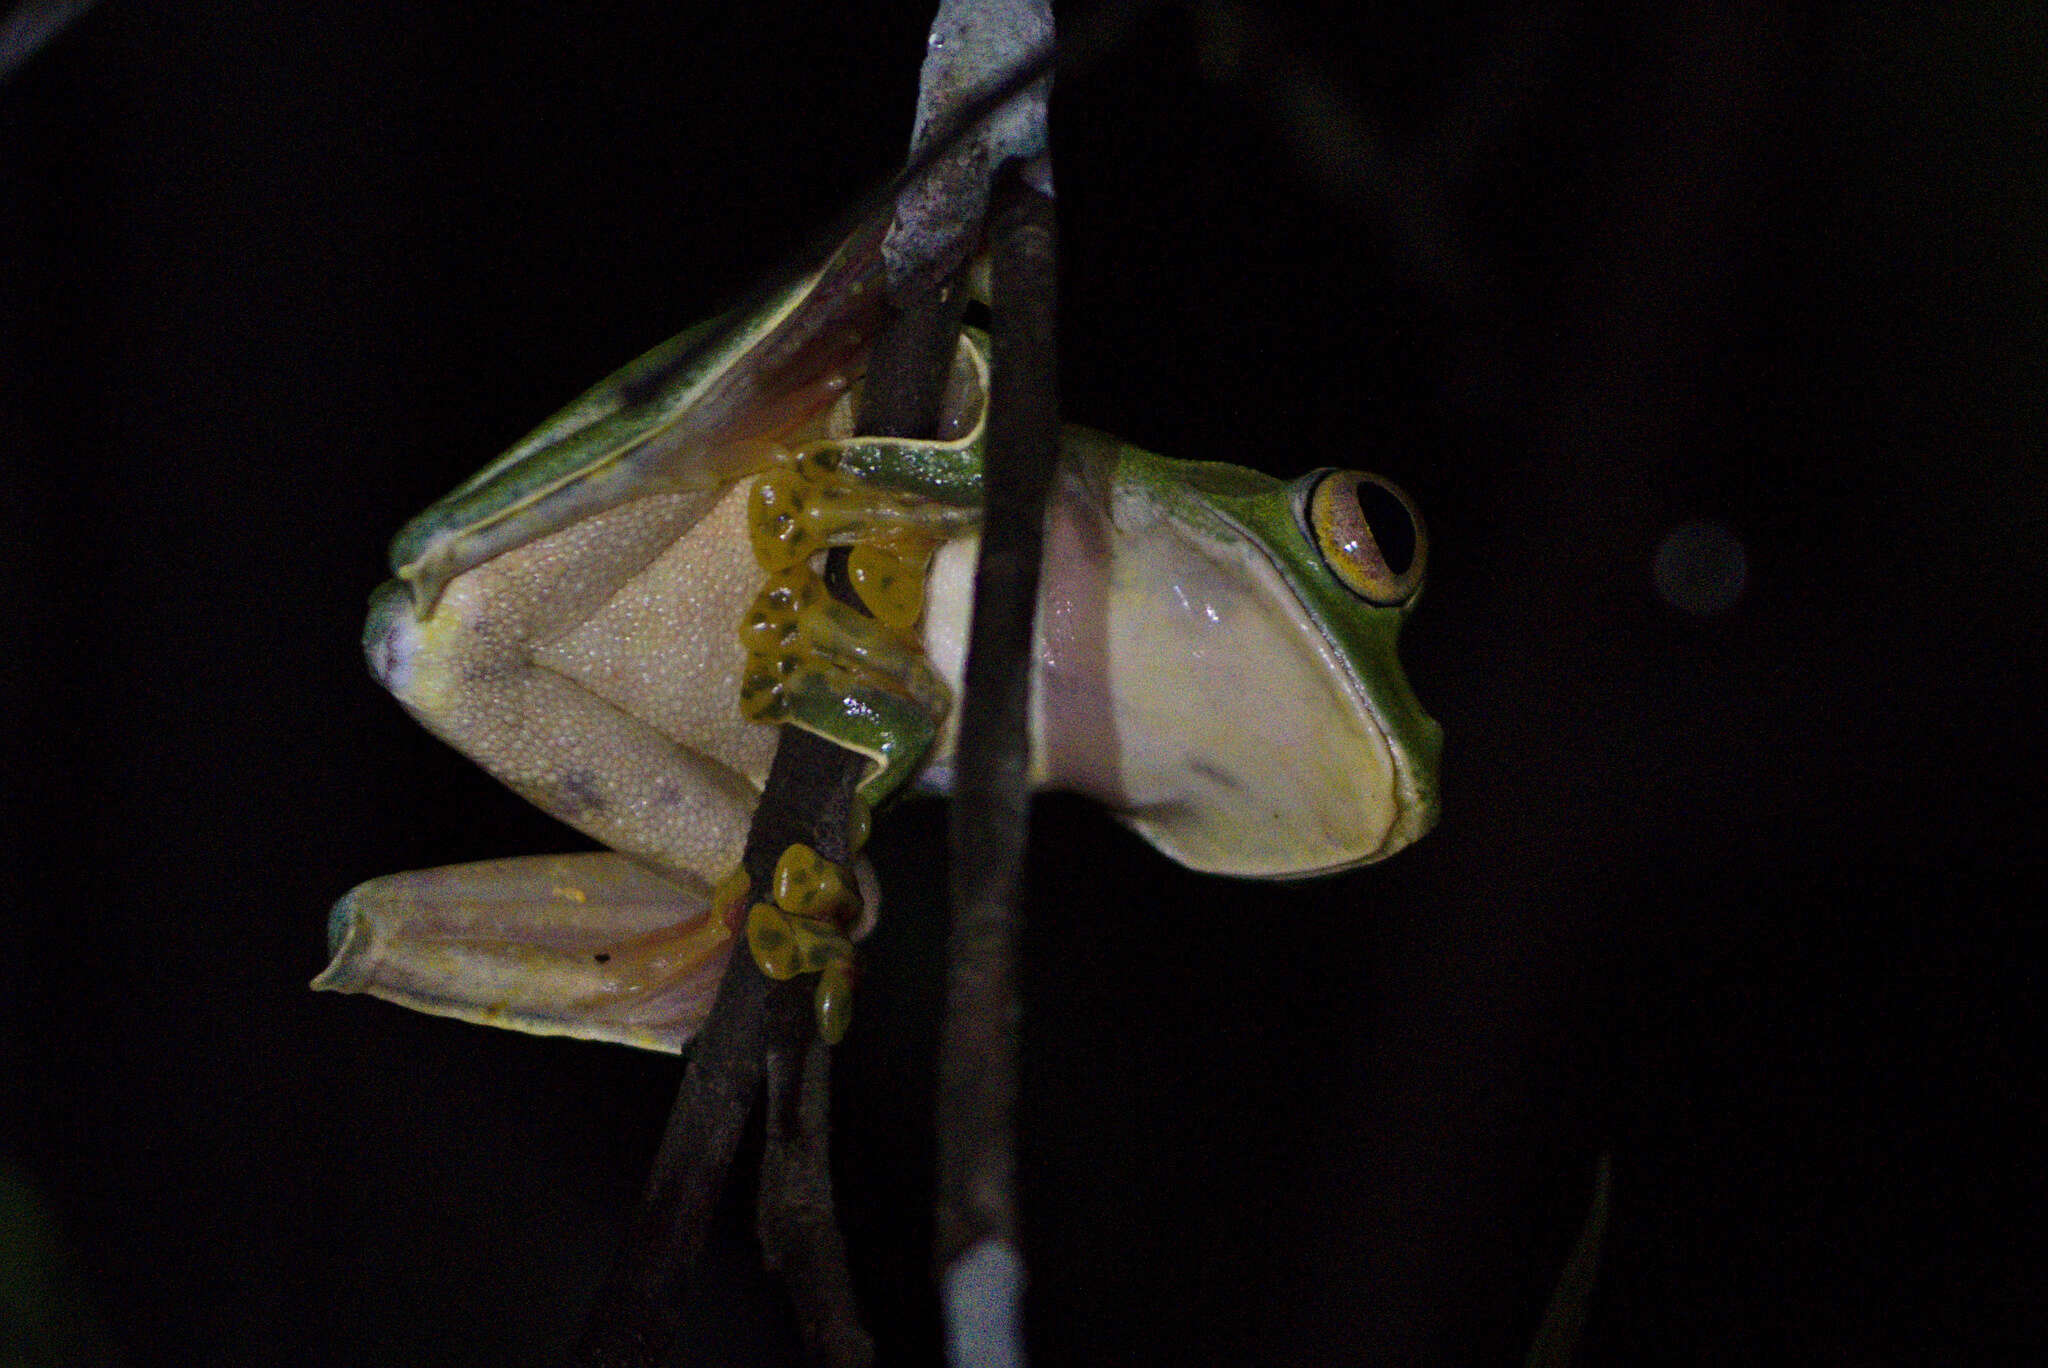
(802, 928)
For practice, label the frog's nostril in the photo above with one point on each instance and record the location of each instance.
(391, 636)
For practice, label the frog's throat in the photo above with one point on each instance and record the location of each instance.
(1251, 751)
(1076, 744)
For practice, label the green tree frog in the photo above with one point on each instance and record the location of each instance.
(604, 617)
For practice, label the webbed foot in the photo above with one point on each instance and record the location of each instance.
(802, 930)
(858, 678)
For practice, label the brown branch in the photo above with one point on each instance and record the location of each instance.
(976, 1216)
(807, 799)
(907, 370)
(756, 1028)
(640, 1306)
(799, 1232)
(900, 397)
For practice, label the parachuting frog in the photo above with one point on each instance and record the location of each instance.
(604, 617)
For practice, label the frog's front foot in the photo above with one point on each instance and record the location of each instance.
(802, 929)
(854, 675)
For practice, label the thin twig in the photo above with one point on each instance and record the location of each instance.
(976, 1220)
(906, 377)
(755, 1027)
(799, 1232)
(807, 799)
(640, 1307)
(900, 397)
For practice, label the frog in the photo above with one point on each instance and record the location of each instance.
(613, 617)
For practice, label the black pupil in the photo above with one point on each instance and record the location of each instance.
(1387, 518)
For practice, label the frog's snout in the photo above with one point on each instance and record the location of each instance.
(391, 636)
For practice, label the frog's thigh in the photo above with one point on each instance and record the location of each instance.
(558, 744)
(551, 586)
(665, 648)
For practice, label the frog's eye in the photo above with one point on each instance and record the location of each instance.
(1369, 534)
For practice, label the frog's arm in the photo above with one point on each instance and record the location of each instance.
(860, 678)
(691, 416)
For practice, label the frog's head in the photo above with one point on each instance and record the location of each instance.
(1251, 716)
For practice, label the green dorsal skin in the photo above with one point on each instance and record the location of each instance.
(689, 416)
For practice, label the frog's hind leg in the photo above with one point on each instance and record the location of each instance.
(591, 946)
(474, 672)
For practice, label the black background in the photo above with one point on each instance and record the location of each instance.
(1748, 899)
